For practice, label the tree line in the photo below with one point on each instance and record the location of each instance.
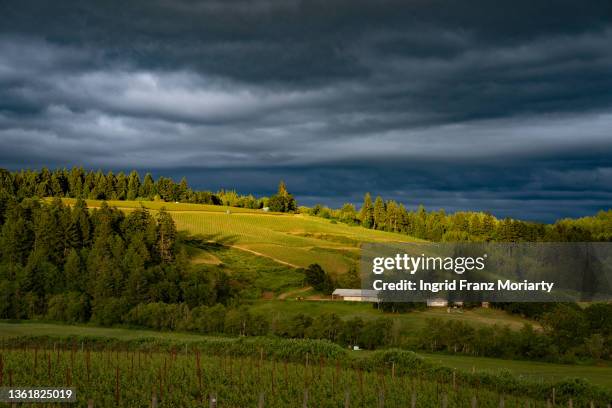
(96, 185)
(569, 333)
(438, 226)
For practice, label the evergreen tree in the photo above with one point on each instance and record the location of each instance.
(16, 240)
(366, 214)
(282, 201)
(147, 189)
(166, 236)
(182, 190)
(74, 272)
(133, 187)
(121, 186)
(380, 214)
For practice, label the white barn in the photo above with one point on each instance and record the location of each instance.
(356, 295)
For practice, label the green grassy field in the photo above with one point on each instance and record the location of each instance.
(415, 319)
(294, 239)
(533, 370)
(528, 369)
(407, 325)
(258, 275)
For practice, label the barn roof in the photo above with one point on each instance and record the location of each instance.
(355, 292)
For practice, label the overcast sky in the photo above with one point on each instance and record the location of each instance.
(485, 105)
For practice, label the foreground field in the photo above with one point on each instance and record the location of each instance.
(533, 370)
(293, 239)
(128, 378)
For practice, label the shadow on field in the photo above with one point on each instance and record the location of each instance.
(209, 242)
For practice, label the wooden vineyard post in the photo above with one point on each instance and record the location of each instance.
(117, 385)
(260, 362)
(413, 400)
(474, 402)
(154, 401)
(347, 399)
(360, 374)
(90, 403)
(321, 362)
(285, 373)
(454, 380)
(336, 375)
(444, 400)
(305, 400)
(502, 403)
(570, 403)
(88, 363)
(393, 370)
(260, 404)
(381, 399)
(273, 380)
(1, 370)
(213, 401)
(553, 397)
(199, 373)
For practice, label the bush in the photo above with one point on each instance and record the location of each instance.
(160, 316)
(70, 307)
(109, 311)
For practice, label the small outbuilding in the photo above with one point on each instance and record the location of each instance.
(437, 302)
(356, 295)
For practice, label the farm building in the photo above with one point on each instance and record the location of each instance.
(356, 295)
(437, 302)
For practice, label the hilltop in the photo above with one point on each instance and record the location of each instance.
(295, 240)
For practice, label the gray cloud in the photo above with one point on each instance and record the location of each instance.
(459, 106)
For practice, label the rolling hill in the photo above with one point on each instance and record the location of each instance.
(295, 240)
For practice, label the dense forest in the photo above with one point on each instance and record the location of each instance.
(73, 264)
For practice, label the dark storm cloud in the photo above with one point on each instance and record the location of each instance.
(484, 105)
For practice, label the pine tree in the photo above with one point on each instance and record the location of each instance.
(16, 240)
(147, 189)
(121, 186)
(282, 189)
(73, 272)
(380, 214)
(166, 236)
(282, 201)
(182, 190)
(133, 187)
(366, 214)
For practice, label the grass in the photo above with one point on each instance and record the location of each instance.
(527, 369)
(294, 239)
(408, 325)
(256, 274)
(415, 319)
(10, 329)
